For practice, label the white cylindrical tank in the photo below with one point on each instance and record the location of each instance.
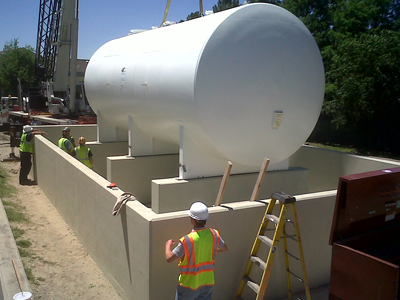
(245, 83)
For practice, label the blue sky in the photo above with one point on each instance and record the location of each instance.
(99, 20)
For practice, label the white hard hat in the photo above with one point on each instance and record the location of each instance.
(198, 211)
(27, 128)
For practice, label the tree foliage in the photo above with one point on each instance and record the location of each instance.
(225, 4)
(194, 15)
(360, 47)
(16, 62)
(363, 87)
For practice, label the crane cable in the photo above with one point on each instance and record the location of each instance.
(167, 10)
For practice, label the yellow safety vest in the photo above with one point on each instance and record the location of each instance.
(197, 265)
(82, 154)
(26, 146)
(61, 143)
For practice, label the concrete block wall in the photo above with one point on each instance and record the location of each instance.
(129, 248)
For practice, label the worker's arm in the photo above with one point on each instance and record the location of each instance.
(169, 255)
(37, 131)
(68, 146)
(223, 248)
(90, 154)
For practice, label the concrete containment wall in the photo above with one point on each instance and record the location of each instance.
(82, 198)
(238, 224)
(129, 248)
(173, 194)
(134, 174)
(54, 132)
(100, 150)
(326, 166)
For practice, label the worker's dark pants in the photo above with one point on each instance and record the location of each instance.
(26, 165)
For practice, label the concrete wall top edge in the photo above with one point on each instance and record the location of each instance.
(317, 195)
(119, 157)
(141, 209)
(225, 207)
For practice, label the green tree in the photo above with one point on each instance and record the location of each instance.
(225, 4)
(363, 88)
(275, 2)
(194, 15)
(16, 62)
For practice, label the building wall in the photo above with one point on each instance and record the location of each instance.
(129, 248)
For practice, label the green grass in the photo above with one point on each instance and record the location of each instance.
(15, 215)
(14, 212)
(6, 189)
(17, 232)
(334, 147)
(23, 243)
(357, 151)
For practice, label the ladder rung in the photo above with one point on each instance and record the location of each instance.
(272, 218)
(298, 278)
(258, 261)
(251, 284)
(265, 240)
(280, 231)
(297, 297)
(287, 236)
(291, 255)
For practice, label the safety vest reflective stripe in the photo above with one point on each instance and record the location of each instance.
(26, 146)
(197, 266)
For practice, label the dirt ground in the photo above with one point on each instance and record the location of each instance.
(61, 266)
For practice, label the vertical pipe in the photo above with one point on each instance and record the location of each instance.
(74, 57)
(129, 135)
(182, 167)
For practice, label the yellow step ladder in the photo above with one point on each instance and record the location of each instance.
(280, 232)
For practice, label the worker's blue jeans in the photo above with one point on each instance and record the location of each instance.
(202, 293)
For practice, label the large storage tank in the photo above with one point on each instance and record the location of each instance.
(245, 84)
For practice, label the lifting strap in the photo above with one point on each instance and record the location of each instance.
(122, 199)
(166, 12)
(201, 11)
(279, 232)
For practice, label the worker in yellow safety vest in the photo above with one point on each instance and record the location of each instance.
(27, 148)
(64, 143)
(196, 252)
(83, 153)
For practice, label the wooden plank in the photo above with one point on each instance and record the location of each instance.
(260, 179)
(224, 183)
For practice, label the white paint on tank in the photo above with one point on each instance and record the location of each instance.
(245, 83)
